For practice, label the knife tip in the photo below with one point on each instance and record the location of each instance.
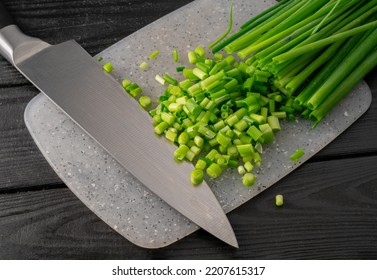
(227, 235)
(232, 241)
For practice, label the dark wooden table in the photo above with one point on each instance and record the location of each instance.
(330, 210)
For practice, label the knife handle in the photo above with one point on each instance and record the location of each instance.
(5, 18)
(15, 46)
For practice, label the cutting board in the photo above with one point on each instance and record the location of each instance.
(110, 191)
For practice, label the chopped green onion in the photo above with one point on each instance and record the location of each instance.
(192, 57)
(199, 141)
(132, 88)
(126, 83)
(207, 132)
(196, 176)
(144, 65)
(195, 149)
(274, 123)
(153, 54)
(170, 80)
(201, 164)
(268, 134)
(160, 79)
(192, 107)
(257, 158)
(245, 150)
(175, 55)
(175, 107)
(135, 92)
(248, 166)
(107, 67)
(183, 138)
(180, 152)
(214, 170)
(218, 56)
(145, 102)
(254, 133)
(190, 155)
(211, 155)
(232, 151)
(168, 117)
(279, 115)
(279, 200)
(222, 161)
(161, 127)
(199, 51)
(297, 155)
(200, 73)
(241, 170)
(248, 179)
(223, 140)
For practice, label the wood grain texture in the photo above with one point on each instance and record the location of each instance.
(332, 220)
(330, 209)
(21, 165)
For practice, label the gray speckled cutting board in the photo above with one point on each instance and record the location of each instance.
(112, 192)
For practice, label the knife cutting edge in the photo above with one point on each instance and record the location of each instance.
(97, 103)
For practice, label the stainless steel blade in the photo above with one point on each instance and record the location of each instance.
(73, 80)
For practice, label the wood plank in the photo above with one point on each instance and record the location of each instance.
(329, 212)
(51, 224)
(21, 163)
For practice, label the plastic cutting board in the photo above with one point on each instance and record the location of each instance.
(113, 193)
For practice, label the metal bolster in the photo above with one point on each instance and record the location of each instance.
(15, 46)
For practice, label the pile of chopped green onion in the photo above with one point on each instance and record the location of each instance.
(220, 115)
(297, 58)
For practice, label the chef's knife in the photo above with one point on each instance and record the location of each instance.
(76, 83)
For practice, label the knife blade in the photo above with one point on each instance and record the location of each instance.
(97, 103)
